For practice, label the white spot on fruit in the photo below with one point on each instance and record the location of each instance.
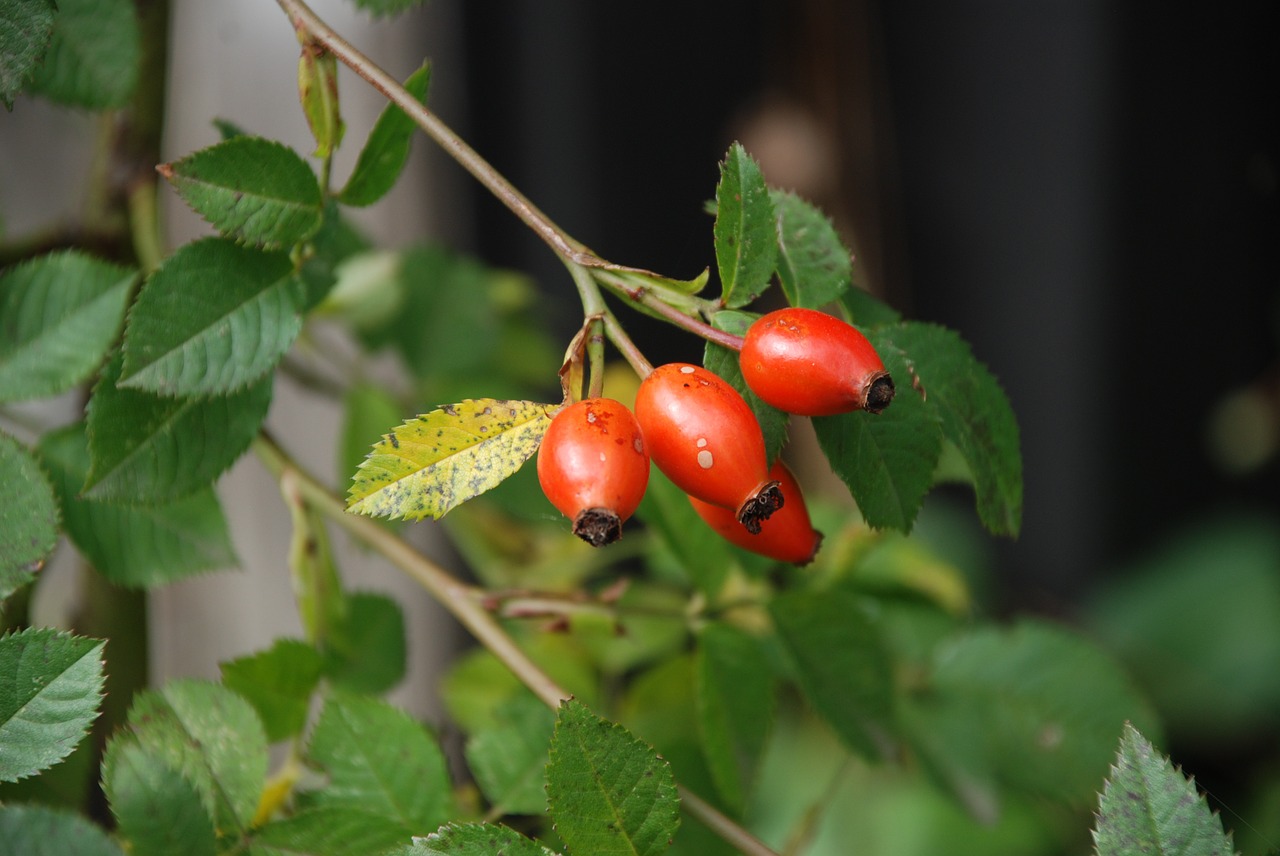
(705, 460)
(702, 442)
(602, 457)
(638, 444)
(686, 370)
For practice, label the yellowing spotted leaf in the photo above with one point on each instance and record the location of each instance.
(441, 459)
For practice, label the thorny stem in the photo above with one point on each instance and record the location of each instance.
(458, 598)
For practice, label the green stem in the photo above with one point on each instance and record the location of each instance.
(459, 599)
(645, 296)
(626, 347)
(144, 225)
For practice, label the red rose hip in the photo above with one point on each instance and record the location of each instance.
(594, 467)
(813, 364)
(704, 437)
(787, 536)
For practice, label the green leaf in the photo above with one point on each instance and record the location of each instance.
(607, 791)
(868, 311)
(278, 683)
(368, 654)
(92, 59)
(135, 545)
(724, 362)
(441, 459)
(841, 665)
(332, 831)
(1050, 700)
(59, 314)
(25, 29)
(251, 189)
(387, 7)
(213, 318)
(974, 413)
(887, 459)
(385, 152)
(1149, 807)
(159, 811)
(814, 266)
(50, 687)
(34, 830)
(148, 449)
(509, 760)
(702, 555)
(745, 241)
(212, 738)
(28, 517)
(472, 839)
(735, 707)
(378, 759)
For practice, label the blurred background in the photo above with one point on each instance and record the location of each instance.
(1086, 191)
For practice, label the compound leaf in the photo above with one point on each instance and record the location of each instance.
(607, 791)
(734, 697)
(472, 839)
(887, 459)
(509, 760)
(379, 760)
(1149, 807)
(59, 315)
(367, 652)
(974, 414)
(333, 831)
(159, 811)
(50, 687)
(745, 242)
(213, 318)
(385, 152)
(278, 683)
(251, 189)
(149, 449)
(25, 29)
(93, 55)
(28, 517)
(439, 460)
(814, 266)
(135, 545)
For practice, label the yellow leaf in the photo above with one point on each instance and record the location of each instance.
(441, 459)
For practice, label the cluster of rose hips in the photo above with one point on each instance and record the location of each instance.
(593, 463)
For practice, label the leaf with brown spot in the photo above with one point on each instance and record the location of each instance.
(439, 460)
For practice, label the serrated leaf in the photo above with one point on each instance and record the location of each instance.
(724, 362)
(333, 831)
(509, 760)
(735, 707)
(868, 311)
(28, 517)
(841, 666)
(974, 413)
(385, 153)
(148, 449)
(472, 839)
(1149, 807)
(212, 738)
(213, 318)
(50, 687)
(278, 683)
(25, 29)
(607, 791)
(35, 830)
(1051, 702)
(159, 812)
(135, 545)
(367, 409)
(814, 266)
(92, 59)
(886, 459)
(379, 760)
(443, 458)
(746, 245)
(251, 189)
(58, 314)
(368, 653)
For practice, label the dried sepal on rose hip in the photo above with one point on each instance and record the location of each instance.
(787, 536)
(593, 466)
(704, 437)
(813, 364)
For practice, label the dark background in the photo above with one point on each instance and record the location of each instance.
(1086, 191)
